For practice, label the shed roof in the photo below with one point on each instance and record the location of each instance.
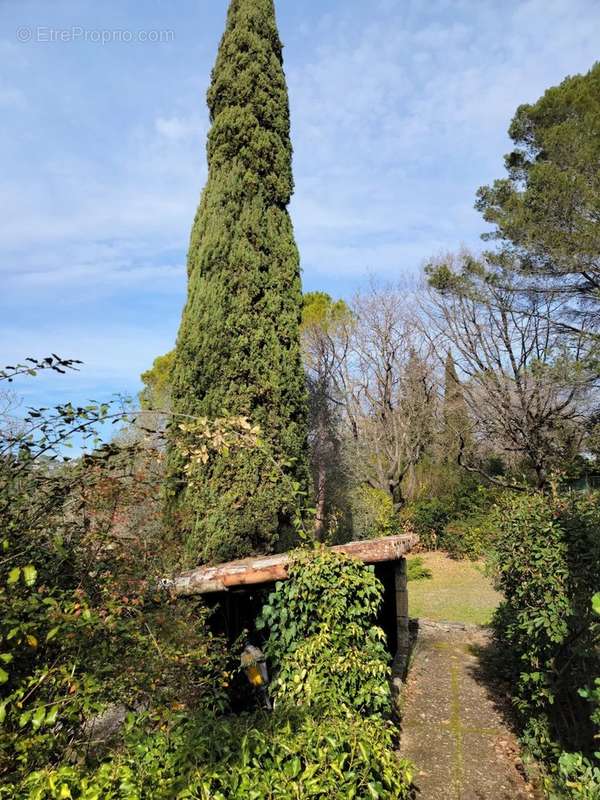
(266, 569)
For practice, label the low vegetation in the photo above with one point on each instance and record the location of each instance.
(548, 552)
(82, 634)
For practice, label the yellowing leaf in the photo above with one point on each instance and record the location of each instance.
(32, 641)
(14, 575)
(29, 574)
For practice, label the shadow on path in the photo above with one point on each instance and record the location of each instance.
(455, 724)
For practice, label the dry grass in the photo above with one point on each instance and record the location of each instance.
(458, 591)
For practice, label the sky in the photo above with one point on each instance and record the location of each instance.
(399, 112)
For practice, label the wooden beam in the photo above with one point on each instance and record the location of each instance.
(267, 569)
(402, 620)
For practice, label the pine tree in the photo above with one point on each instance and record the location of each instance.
(238, 350)
(545, 211)
(457, 436)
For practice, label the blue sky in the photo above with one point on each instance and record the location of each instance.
(399, 112)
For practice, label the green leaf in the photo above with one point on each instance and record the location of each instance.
(29, 574)
(52, 633)
(14, 575)
(596, 603)
(39, 716)
(3, 675)
(2, 712)
(24, 718)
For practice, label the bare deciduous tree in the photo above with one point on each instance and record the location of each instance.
(385, 385)
(525, 384)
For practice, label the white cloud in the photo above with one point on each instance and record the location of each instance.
(399, 112)
(177, 128)
(396, 123)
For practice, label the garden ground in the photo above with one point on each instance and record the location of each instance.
(458, 591)
(455, 721)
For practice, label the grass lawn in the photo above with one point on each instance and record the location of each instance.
(458, 591)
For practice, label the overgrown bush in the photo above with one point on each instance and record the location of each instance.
(459, 521)
(314, 745)
(428, 518)
(580, 773)
(373, 515)
(330, 659)
(81, 629)
(84, 630)
(548, 556)
(323, 638)
(471, 537)
(288, 755)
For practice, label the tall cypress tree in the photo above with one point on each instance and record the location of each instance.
(238, 349)
(457, 436)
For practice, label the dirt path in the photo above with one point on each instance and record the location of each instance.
(452, 729)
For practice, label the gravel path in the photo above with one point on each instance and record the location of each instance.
(453, 726)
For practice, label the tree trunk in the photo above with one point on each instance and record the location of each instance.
(321, 500)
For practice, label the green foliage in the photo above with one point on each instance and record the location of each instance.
(548, 551)
(373, 513)
(546, 209)
(238, 349)
(156, 394)
(456, 440)
(470, 537)
(80, 628)
(315, 744)
(323, 638)
(459, 519)
(83, 631)
(428, 518)
(322, 319)
(202, 442)
(416, 570)
(286, 755)
(580, 773)
(318, 308)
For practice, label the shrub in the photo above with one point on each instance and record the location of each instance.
(548, 551)
(323, 638)
(471, 537)
(457, 520)
(428, 518)
(80, 628)
(580, 773)
(287, 755)
(416, 570)
(373, 514)
(330, 665)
